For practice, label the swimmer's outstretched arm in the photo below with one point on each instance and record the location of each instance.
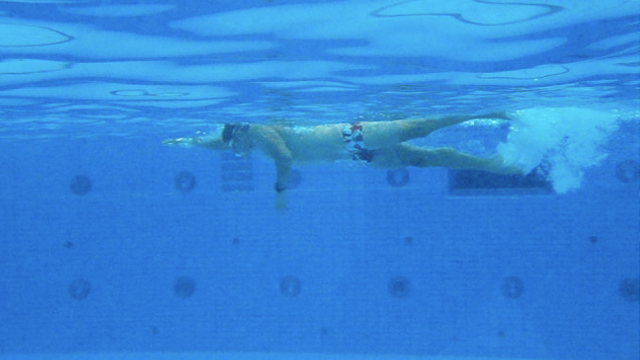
(207, 142)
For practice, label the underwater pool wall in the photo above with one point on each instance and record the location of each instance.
(124, 246)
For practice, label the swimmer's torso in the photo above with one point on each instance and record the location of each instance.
(327, 143)
(321, 143)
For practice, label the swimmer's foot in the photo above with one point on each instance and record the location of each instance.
(501, 167)
(496, 115)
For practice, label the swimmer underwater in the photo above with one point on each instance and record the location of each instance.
(377, 144)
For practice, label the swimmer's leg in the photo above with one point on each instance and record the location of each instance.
(384, 134)
(412, 129)
(408, 155)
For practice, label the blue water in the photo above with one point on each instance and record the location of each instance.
(112, 242)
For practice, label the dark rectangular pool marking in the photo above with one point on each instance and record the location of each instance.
(474, 182)
(236, 173)
(236, 166)
(237, 176)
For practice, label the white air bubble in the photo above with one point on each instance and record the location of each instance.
(566, 140)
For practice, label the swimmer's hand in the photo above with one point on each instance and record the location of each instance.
(281, 202)
(281, 197)
(184, 142)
